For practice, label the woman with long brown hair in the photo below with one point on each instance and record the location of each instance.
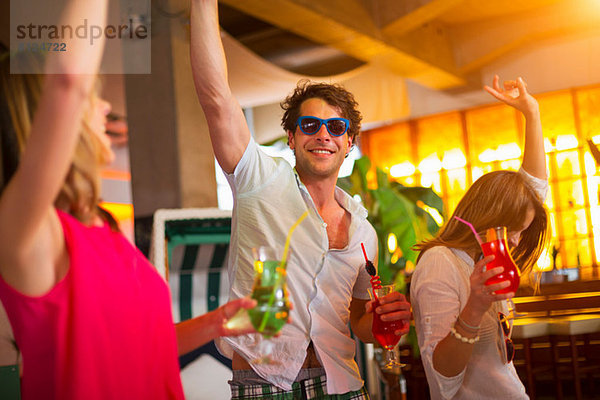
(462, 333)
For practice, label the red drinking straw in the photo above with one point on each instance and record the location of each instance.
(375, 280)
(477, 237)
(364, 251)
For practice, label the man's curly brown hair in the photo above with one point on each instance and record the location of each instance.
(333, 94)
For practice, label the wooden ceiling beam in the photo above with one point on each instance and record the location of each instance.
(423, 54)
(419, 16)
(555, 21)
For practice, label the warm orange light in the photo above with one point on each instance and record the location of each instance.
(544, 263)
(454, 158)
(121, 212)
(392, 242)
(590, 164)
(371, 179)
(508, 151)
(115, 175)
(488, 156)
(565, 142)
(493, 138)
(597, 244)
(396, 256)
(430, 164)
(410, 267)
(431, 180)
(433, 212)
(477, 173)
(403, 169)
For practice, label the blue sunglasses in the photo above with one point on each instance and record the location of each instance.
(335, 126)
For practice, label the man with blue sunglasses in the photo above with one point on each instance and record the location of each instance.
(310, 125)
(327, 281)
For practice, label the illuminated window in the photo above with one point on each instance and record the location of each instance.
(390, 145)
(450, 151)
(403, 169)
(588, 104)
(489, 130)
(556, 111)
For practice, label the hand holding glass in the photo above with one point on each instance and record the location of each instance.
(495, 244)
(384, 330)
(270, 292)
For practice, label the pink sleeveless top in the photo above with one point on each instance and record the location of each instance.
(105, 331)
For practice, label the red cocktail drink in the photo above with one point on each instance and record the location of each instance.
(384, 330)
(496, 245)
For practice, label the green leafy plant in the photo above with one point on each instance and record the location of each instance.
(402, 210)
(393, 208)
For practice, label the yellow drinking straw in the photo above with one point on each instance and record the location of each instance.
(286, 248)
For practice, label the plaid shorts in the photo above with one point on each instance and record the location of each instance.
(307, 389)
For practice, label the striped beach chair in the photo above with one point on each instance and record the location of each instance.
(189, 248)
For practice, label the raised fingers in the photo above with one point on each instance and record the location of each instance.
(508, 92)
(496, 93)
(510, 85)
(521, 85)
(496, 83)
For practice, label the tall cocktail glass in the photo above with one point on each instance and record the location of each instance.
(384, 330)
(270, 292)
(495, 244)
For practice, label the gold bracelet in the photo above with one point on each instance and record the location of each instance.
(462, 338)
(467, 326)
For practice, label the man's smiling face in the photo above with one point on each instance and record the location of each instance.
(319, 155)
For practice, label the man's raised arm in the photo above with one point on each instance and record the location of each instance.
(229, 131)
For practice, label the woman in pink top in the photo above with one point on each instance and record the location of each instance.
(90, 315)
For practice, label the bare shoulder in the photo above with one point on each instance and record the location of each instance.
(435, 255)
(437, 266)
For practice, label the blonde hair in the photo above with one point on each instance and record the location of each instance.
(500, 198)
(20, 93)
(19, 96)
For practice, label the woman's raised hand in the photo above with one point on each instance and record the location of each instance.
(514, 93)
